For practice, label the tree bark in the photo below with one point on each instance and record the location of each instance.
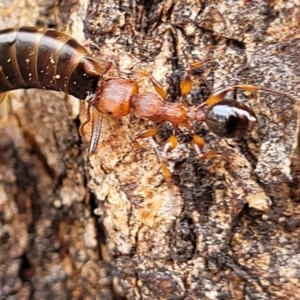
(74, 226)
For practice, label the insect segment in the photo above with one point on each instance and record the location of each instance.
(46, 59)
(226, 118)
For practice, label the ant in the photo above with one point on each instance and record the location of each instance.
(226, 118)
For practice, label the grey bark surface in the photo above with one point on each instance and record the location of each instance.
(74, 226)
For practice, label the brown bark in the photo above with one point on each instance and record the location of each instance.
(74, 227)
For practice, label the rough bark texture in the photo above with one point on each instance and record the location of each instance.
(79, 227)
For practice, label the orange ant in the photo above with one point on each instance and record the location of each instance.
(226, 118)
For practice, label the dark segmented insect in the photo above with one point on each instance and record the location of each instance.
(47, 59)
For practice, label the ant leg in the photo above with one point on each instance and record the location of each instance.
(88, 119)
(218, 95)
(157, 85)
(254, 88)
(185, 84)
(142, 135)
(198, 145)
(170, 145)
(108, 67)
(97, 119)
(104, 72)
(186, 81)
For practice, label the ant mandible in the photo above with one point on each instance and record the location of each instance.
(226, 118)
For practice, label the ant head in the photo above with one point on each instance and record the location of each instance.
(114, 95)
(230, 119)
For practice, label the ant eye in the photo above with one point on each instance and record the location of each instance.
(230, 119)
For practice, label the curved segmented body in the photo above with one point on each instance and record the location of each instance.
(31, 57)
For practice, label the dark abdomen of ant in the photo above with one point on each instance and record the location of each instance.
(31, 57)
(230, 119)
